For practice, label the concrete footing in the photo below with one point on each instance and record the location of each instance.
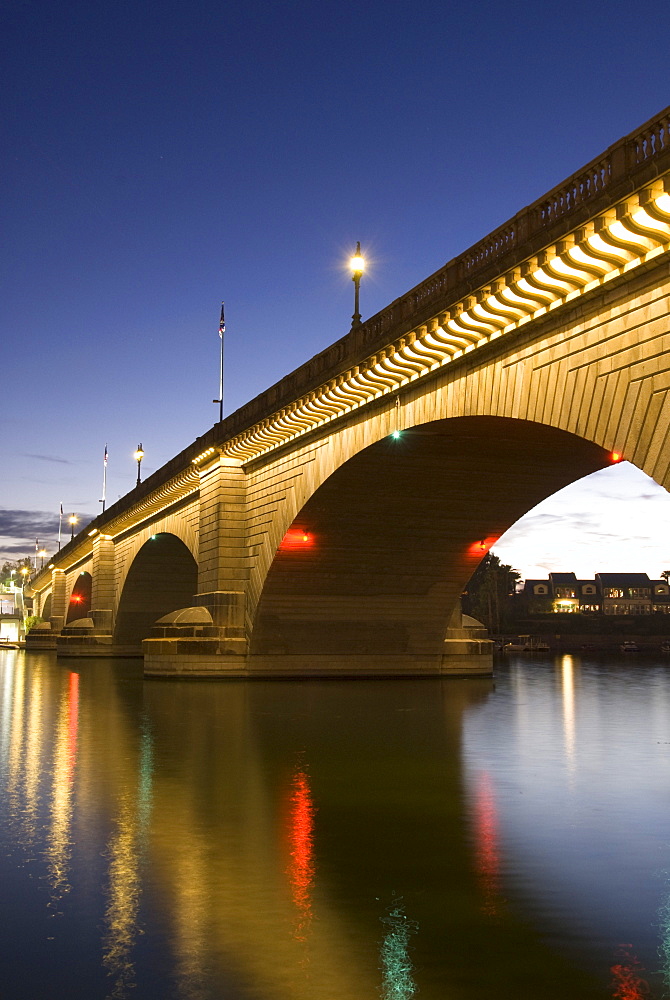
(285, 666)
(186, 644)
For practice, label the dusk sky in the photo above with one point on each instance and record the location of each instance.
(160, 158)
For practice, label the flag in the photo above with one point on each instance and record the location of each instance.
(222, 323)
(61, 510)
(105, 455)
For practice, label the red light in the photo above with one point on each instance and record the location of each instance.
(296, 538)
(615, 456)
(481, 546)
(76, 599)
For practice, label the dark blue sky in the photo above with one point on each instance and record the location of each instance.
(158, 159)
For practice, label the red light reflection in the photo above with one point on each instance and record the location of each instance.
(628, 984)
(301, 846)
(486, 841)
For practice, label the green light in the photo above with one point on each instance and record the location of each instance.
(395, 435)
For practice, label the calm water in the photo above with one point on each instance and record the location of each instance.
(335, 839)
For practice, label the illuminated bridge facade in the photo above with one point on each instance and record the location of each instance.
(330, 525)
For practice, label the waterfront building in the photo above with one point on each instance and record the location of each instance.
(606, 594)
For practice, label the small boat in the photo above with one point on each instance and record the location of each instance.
(526, 644)
(629, 647)
(665, 647)
(536, 646)
(518, 646)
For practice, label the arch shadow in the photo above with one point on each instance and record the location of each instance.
(163, 577)
(377, 558)
(79, 604)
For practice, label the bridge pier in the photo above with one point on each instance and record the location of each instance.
(93, 635)
(188, 644)
(44, 636)
(467, 650)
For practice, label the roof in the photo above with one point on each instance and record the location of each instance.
(624, 579)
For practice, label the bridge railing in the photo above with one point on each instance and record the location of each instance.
(624, 167)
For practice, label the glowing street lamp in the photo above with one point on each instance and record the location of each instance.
(357, 268)
(138, 456)
(41, 554)
(72, 521)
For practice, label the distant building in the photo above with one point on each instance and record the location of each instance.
(608, 594)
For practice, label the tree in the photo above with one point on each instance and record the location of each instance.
(487, 596)
(12, 569)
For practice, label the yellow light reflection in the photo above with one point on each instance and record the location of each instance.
(123, 900)
(32, 758)
(568, 691)
(58, 847)
(126, 852)
(15, 740)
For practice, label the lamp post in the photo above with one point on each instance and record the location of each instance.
(41, 554)
(138, 456)
(72, 520)
(357, 268)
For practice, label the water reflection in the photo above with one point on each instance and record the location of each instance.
(664, 947)
(568, 701)
(628, 983)
(486, 840)
(396, 964)
(238, 840)
(301, 870)
(59, 843)
(126, 853)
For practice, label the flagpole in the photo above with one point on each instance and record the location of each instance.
(222, 330)
(60, 525)
(104, 481)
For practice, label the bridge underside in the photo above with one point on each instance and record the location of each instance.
(370, 572)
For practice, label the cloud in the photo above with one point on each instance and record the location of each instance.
(50, 458)
(26, 523)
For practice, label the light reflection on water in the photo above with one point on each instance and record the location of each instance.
(290, 840)
(396, 963)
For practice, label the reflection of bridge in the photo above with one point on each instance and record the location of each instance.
(300, 534)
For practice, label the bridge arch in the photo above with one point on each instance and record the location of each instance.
(376, 558)
(45, 609)
(161, 578)
(79, 603)
(596, 370)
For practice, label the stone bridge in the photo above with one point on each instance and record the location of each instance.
(329, 525)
